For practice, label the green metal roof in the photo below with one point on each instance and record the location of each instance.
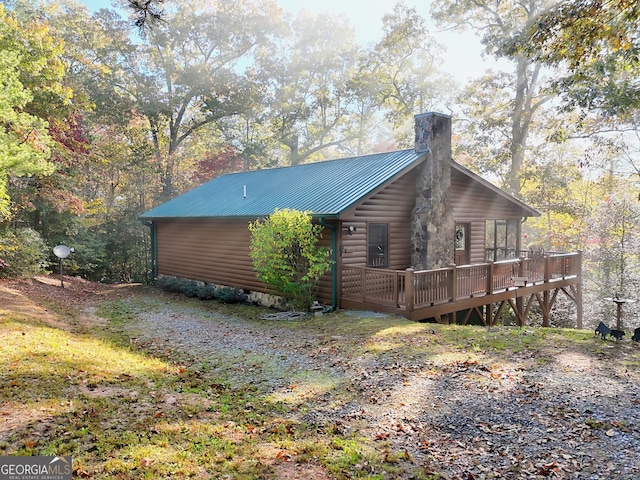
(324, 188)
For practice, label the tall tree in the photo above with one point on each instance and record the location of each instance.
(597, 44)
(185, 73)
(35, 105)
(146, 13)
(502, 23)
(401, 71)
(310, 108)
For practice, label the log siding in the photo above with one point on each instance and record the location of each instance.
(216, 251)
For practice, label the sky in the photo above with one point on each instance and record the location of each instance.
(463, 58)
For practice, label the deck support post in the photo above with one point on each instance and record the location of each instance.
(488, 312)
(546, 307)
(520, 311)
(494, 318)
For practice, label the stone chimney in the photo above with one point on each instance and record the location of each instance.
(432, 221)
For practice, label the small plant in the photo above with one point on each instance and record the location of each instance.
(229, 295)
(170, 284)
(207, 292)
(190, 288)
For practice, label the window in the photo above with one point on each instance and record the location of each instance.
(502, 239)
(461, 244)
(378, 243)
(461, 236)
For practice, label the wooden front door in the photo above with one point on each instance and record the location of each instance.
(461, 244)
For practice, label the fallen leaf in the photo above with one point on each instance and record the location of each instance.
(284, 456)
(547, 469)
(610, 433)
(82, 473)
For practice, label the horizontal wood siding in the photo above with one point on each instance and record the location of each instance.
(215, 251)
(474, 204)
(471, 204)
(212, 251)
(391, 205)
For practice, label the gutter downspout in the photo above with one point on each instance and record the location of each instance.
(334, 267)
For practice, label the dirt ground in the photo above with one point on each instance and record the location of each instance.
(555, 412)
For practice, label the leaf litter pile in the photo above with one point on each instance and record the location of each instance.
(215, 391)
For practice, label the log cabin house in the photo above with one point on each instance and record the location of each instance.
(412, 232)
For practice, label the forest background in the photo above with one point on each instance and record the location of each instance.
(107, 114)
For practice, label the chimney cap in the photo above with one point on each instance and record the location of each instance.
(433, 114)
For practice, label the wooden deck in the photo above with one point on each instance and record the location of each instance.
(485, 289)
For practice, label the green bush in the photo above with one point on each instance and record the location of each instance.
(23, 253)
(287, 257)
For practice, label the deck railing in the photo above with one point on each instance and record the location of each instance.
(408, 289)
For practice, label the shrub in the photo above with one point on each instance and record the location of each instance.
(171, 284)
(229, 295)
(201, 290)
(190, 288)
(287, 257)
(207, 292)
(23, 253)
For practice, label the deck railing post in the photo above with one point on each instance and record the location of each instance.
(579, 291)
(408, 289)
(453, 282)
(490, 277)
(547, 268)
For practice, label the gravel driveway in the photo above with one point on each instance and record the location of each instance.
(559, 414)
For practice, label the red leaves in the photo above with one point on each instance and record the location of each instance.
(215, 164)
